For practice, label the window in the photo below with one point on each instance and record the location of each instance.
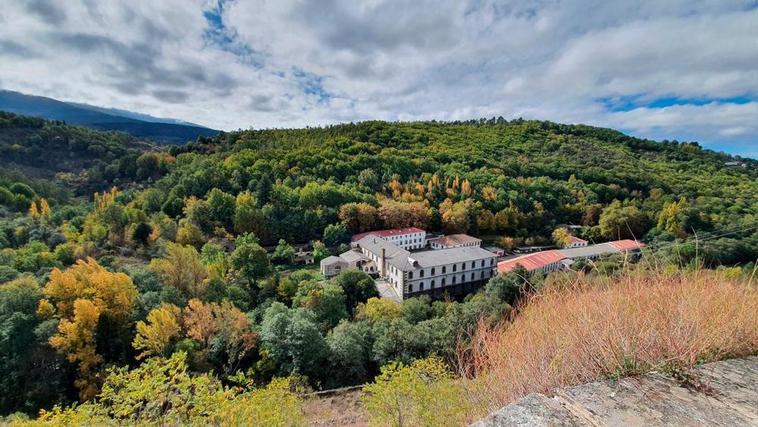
(432, 286)
(492, 261)
(432, 271)
(443, 270)
(455, 267)
(421, 273)
(410, 275)
(421, 286)
(472, 277)
(473, 264)
(442, 282)
(482, 263)
(453, 279)
(410, 288)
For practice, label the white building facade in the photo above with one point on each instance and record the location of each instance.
(434, 272)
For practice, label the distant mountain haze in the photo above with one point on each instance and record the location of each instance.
(165, 131)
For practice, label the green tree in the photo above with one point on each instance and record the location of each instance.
(358, 287)
(283, 254)
(350, 353)
(325, 300)
(249, 258)
(508, 287)
(263, 190)
(334, 234)
(623, 222)
(320, 251)
(291, 338)
(222, 208)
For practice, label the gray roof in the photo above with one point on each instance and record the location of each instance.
(332, 260)
(352, 256)
(393, 254)
(449, 256)
(589, 251)
(401, 259)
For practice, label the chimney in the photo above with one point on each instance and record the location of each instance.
(382, 262)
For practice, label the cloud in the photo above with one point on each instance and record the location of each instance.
(671, 69)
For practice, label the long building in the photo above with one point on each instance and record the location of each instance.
(552, 260)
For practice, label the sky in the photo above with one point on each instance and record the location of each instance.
(662, 69)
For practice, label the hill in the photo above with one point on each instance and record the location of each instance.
(518, 178)
(182, 269)
(165, 131)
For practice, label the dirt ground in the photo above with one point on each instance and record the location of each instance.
(343, 409)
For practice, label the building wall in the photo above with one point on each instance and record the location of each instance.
(408, 241)
(447, 275)
(437, 245)
(332, 270)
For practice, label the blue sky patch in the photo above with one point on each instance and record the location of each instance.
(631, 102)
(311, 84)
(226, 38)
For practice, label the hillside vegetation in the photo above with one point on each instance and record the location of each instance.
(120, 261)
(140, 126)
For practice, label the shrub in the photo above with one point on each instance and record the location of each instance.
(610, 327)
(423, 393)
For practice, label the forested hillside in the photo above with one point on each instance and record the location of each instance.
(183, 260)
(163, 131)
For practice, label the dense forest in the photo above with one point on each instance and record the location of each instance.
(114, 253)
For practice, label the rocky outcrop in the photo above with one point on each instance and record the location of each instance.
(715, 394)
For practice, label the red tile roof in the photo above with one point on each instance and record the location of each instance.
(627, 245)
(575, 239)
(531, 262)
(386, 233)
(457, 239)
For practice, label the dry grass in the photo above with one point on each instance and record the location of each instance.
(630, 324)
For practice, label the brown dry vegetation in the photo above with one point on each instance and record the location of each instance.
(590, 329)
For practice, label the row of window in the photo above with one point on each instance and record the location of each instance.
(422, 286)
(443, 269)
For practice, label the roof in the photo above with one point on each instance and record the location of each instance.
(457, 239)
(387, 233)
(532, 261)
(575, 239)
(627, 245)
(403, 260)
(603, 249)
(449, 256)
(330, 260)
(352, 256)
(589, 251)
(393, 254)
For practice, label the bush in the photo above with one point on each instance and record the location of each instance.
(610, 327)
(423, 393)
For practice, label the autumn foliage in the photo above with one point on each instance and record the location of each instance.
(81, 296)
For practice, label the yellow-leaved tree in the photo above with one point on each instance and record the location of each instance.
(156, 336)
(82, 295)
(182, 268)
(163, 392)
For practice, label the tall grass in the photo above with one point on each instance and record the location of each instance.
(590, 329)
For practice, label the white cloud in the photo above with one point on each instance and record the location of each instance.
(310, 63)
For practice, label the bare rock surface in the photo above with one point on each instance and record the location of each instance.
(715, 394)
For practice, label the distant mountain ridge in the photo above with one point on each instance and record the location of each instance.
(165, 131)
